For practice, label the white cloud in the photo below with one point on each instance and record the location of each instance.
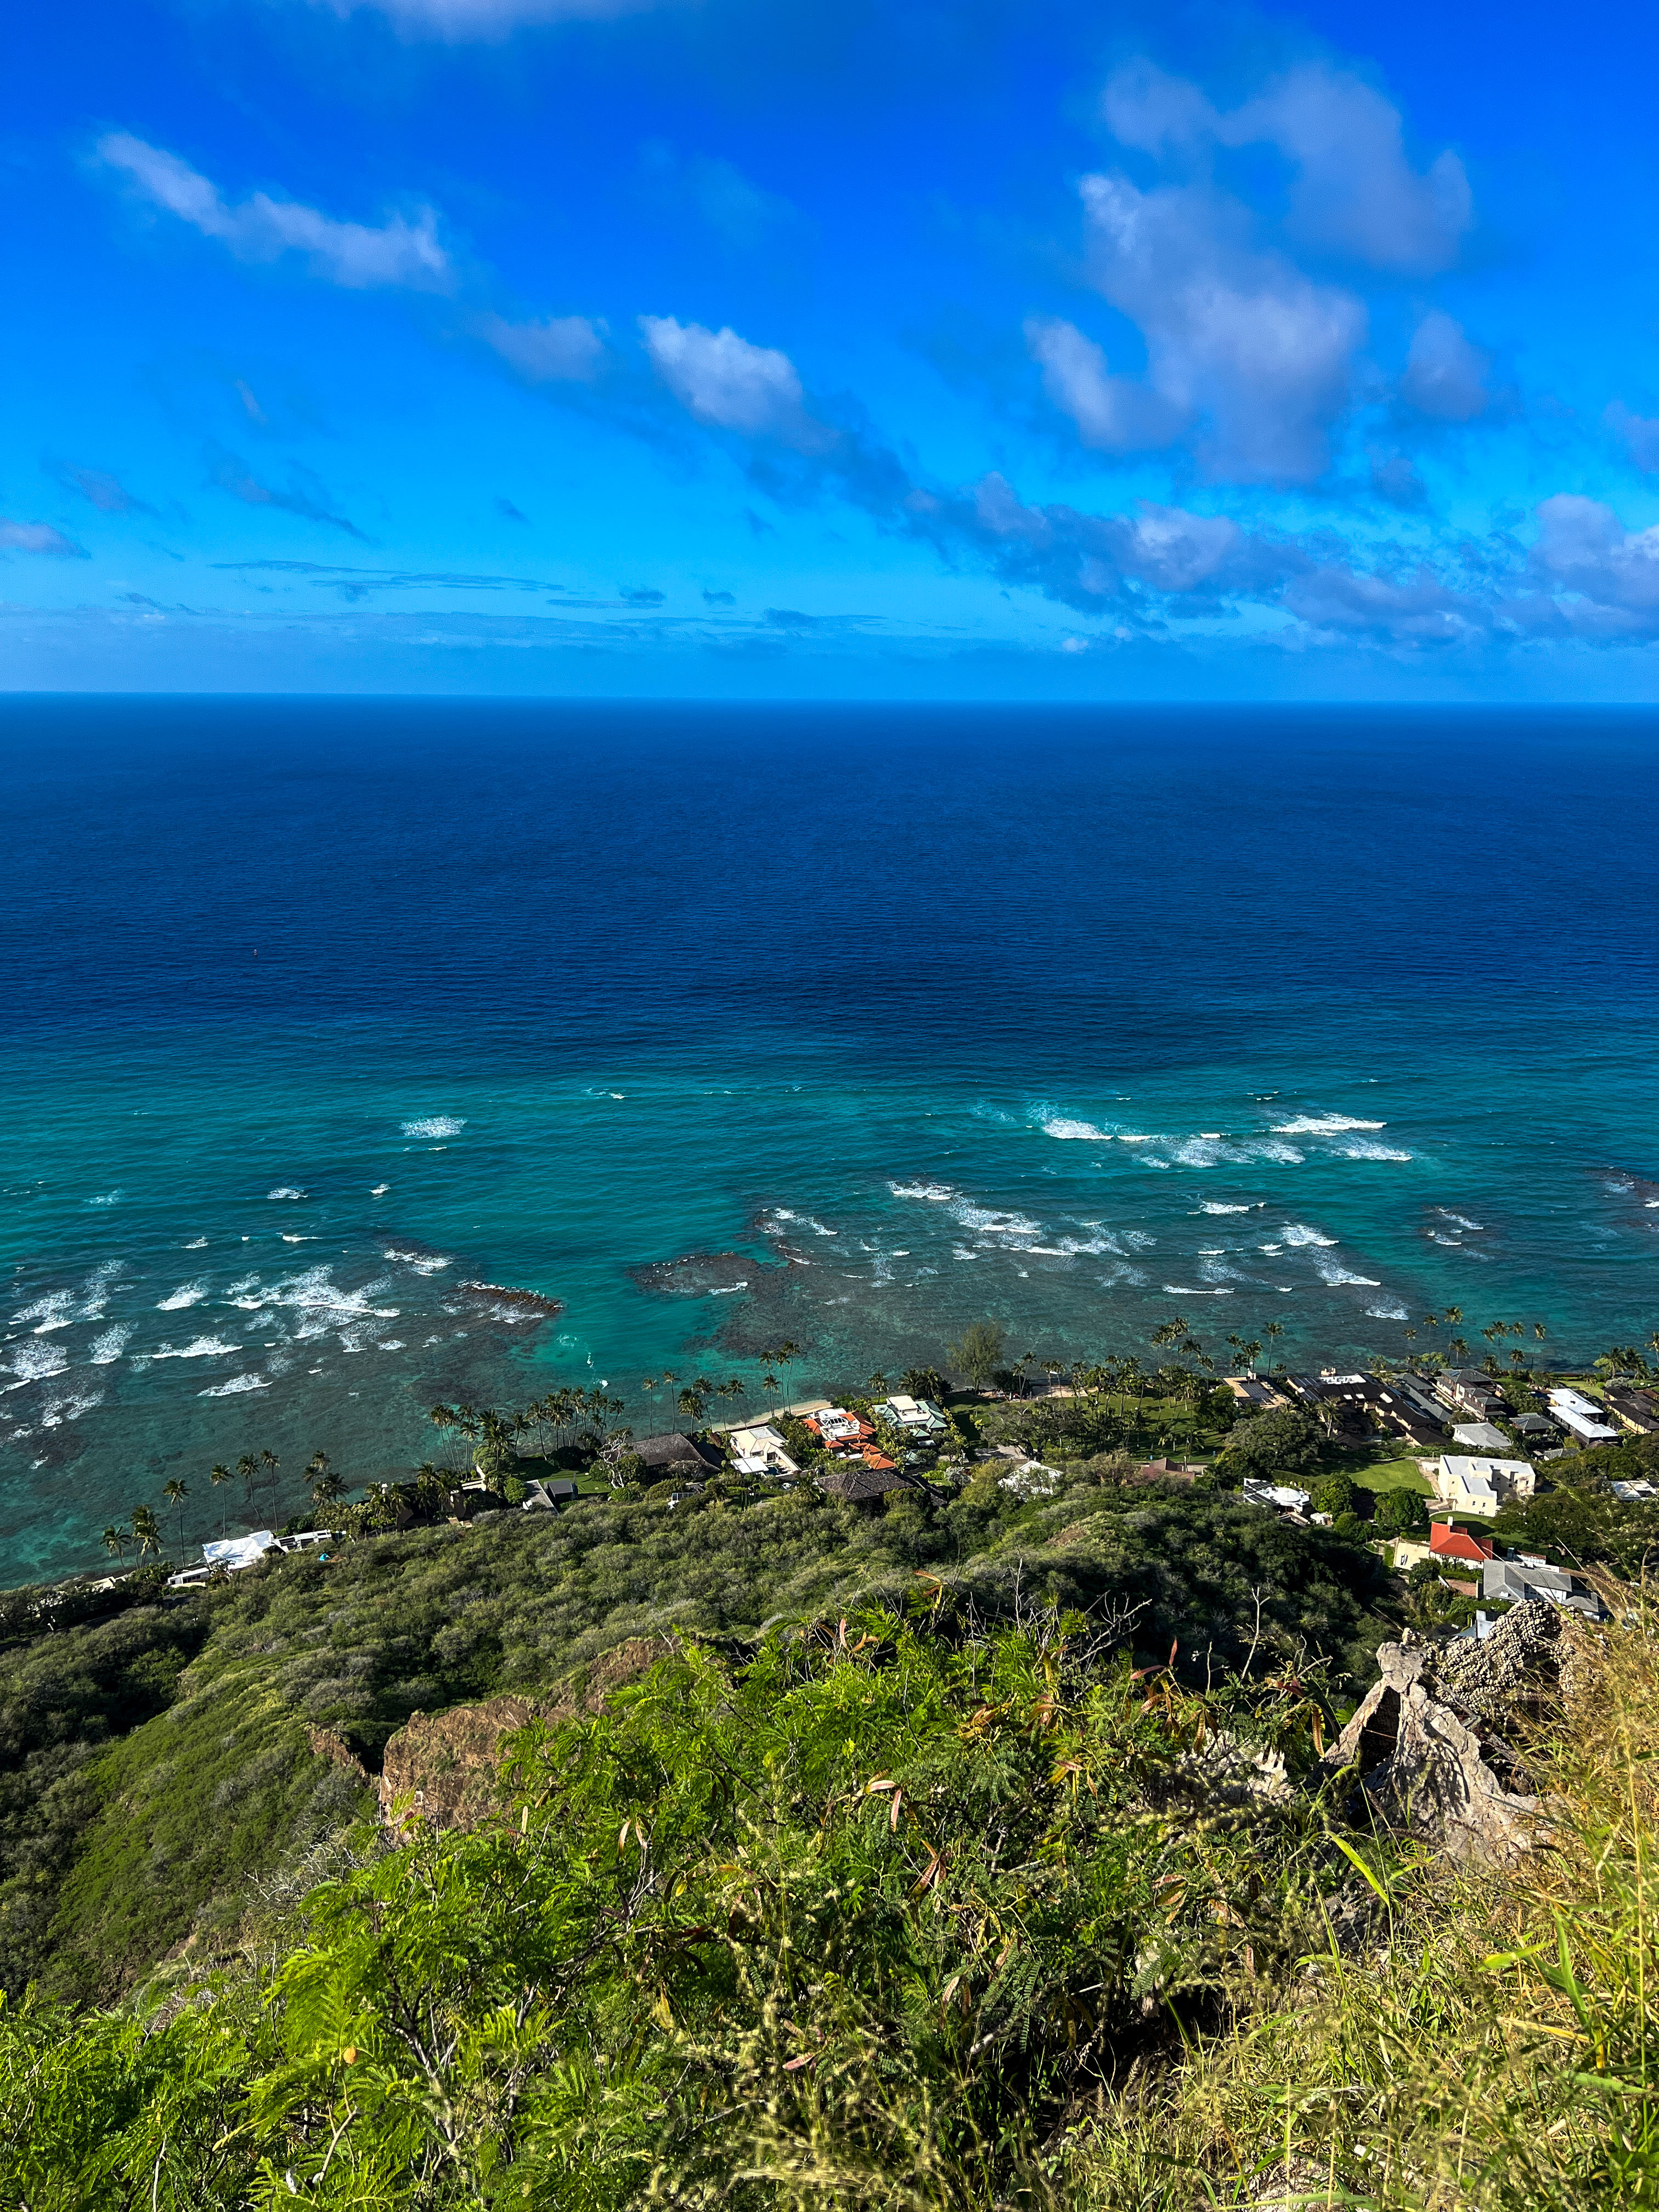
(563, 348)
(1612, 574)
(724, 380)
(457, 20)
(1418, 611)
(1445, 375)
(1355, 192)
(1083, 558)
(358, 255)
(38, 537)
(1113, 414)
(1237, 339)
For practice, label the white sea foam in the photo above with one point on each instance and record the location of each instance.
(57, 1410)
(1328, 1272)
(939, 1192)
(108, 1347)
(960, 1252)
(1323, 1125)
(379, 1190)
(1213, 1206)
(989, 1221)
(285, 1190)
(423, 1263)
(1387, 1313)
(436, 1125)
(236, 1387)
(50, 1313)
(33, 1363)
(1202, 1152)
(196, 1244)
(1462, 1221)
(1138, 1241)
(729, 1289)
(201, 1347)
(1134, 1140)
(1364, 1149)
(1298, 1233)
(1286, 1155)
(187, 1294)
(1195, 1291)
(390, 1344)
(107, 1198)
(1074, 1132)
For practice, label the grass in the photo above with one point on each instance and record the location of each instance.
(1399, 1471)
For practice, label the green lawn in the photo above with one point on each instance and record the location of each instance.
(1399, 1471)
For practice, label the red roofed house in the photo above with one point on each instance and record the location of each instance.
(1446, 1542)
(835, 1427)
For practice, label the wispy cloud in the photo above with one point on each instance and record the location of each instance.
(304, 494)
(456, 21)
(398, 253)
(39, 538)
(100, 489)
(724, 380)
(559, 349)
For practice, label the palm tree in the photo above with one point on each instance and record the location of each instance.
(218, 1476)
(247, 1469)
(175, 1494)
(116, 1540)
(327, 1487)
(146, 1532)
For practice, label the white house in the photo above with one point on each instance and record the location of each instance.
(916, 1415)
(1586, 1419)
(1480, 1485)
(1277, 1497)
(760, 1450)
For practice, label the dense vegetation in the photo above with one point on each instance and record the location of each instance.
(891, 1913)
(155, 1762)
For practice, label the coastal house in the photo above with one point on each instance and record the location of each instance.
(671, 1455)
(916, 1416)
(1636, 1492)
(1636, 1409)
(1277, 1497)
(1480, 1436)
(834, 1427)
(1480, 1484)
(859, 1485)
(230, 1554)
(1362, 1402)
(760, 1449)
(1470, 1391)
(1448, 1543)
(1582, 1417)
(1513, 1581)
(1258, 1396)
(1536, 1425)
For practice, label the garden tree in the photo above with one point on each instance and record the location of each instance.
(1400, 1512)
(978, 1353)
(1336, 1493)
(923, 1383)
(1282, 1442)
(175, 1494)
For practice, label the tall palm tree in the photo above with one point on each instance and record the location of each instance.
(175, 1494)
(218, 1476)
(116, 1540)
(146, 1531)
(247, 1469)
(328, 1489)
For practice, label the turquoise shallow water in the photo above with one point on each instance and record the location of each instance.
(313, 1013)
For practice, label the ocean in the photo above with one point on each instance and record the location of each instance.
(722, 1025)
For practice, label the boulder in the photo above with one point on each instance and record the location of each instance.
(1434, 1744)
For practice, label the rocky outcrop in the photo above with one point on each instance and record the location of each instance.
(445, 1767)
(324, 1743)
(1435, 1746)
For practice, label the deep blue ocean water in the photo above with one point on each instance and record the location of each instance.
(885, 1019)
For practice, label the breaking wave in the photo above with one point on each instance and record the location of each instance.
(1298, 1233)
(235, 1386)
(436, 1125)
(1323, 1125)
(187, 1294)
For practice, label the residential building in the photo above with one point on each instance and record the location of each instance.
(1447, 1542)
(1638, 1409)
(1512, 1581)
(660, 1457)
(1471, 1390)
(857, 1485)
(1258, 1396)
(1582, 1417)
(1277, 1497)
(1633, 1492)
(1410, 1551)
(916, 1416)
(1480, 1436)
(834, 1427)
(1370, 1401)
(760, 1450)
(1480, 1483)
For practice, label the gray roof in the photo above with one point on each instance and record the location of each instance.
(676, 1450)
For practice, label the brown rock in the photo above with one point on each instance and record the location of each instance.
(1430, 1742)
(325, 1744)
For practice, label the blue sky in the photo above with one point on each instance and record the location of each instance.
(713, 346)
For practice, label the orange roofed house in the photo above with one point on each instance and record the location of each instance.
(1446, 1542)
